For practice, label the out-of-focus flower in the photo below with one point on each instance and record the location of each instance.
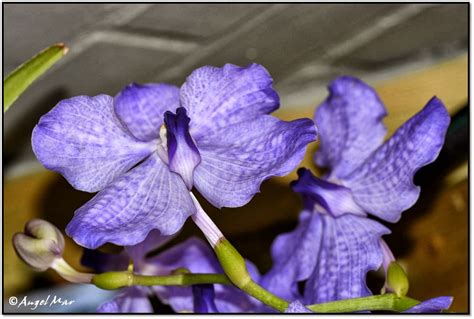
(335, 243)
(297, 307)
(433, 305)
(193, 255)
(146, 148)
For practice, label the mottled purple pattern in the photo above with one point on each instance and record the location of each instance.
(383, 185)
(219, 97)
(350, 247)
(350, 125)
(148, 197)
(203, 298)
(238, 158)
(297, 307)
(130, 300)
(198, 257)
(141, 107)
(434, 305)
(183, 155)
(294, 257)
(82, 139)
(330, 198)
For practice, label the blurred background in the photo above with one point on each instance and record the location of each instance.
(408, 52)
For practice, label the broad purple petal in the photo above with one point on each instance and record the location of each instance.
(383, 185)
(183, 155)
(130, 300)
(218, 97)
(349, 248)
(141, 107)
(434, 305)
(350, 125)
(237, 159)
(330, 198)
(196, 255)
(148, 197)
(294, 257)
(297, 307)
(82, 139)
(204, 298)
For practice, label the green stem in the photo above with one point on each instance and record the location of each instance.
(388, 302)
(119, 279)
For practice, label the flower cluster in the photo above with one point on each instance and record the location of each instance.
(146, 150)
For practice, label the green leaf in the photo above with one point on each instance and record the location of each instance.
(21, 78)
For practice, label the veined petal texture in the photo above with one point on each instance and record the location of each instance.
(141, 107)
(350, 125)
(148, 197)
(219, 97)
(383, 184)
(237, 159)
(82, 139)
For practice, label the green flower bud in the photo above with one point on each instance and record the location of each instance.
(397, 279)
(39, 245)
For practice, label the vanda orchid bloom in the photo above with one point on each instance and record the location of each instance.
(145, 149)
(335, 243)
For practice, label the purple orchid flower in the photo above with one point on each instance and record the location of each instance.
(335, 243)
(146, 148)
(192, 254)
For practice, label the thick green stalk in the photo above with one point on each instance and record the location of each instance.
(21, 78)
(388, 302)
(119, 279)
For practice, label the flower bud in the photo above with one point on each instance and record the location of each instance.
(39, 245)
(397, 279)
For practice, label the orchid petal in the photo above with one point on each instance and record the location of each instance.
(148, 197)
(204, 298)
(434, 305)
(297, 307)
(349, 248)
(141, 107)
(218, 97)
(131, 300)
(383, 185)
(237, 159)
(82, 139)
(153, 241)
(350, 125)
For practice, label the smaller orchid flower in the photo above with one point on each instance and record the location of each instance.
(335, 243)
(193, 255)
(146, 148)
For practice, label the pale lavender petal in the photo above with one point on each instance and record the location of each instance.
(349, 248)
(383, 185)
(297, 307)
(237, 159)
(130, 300)
(218, 97)
(183, 155)
(141, 107)
(204, 298)
(196, 255)
(153, 241)
(82, 139)
(148, 197)
(350, 125)
(434, 305)
(294, 257)
(330, 198)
